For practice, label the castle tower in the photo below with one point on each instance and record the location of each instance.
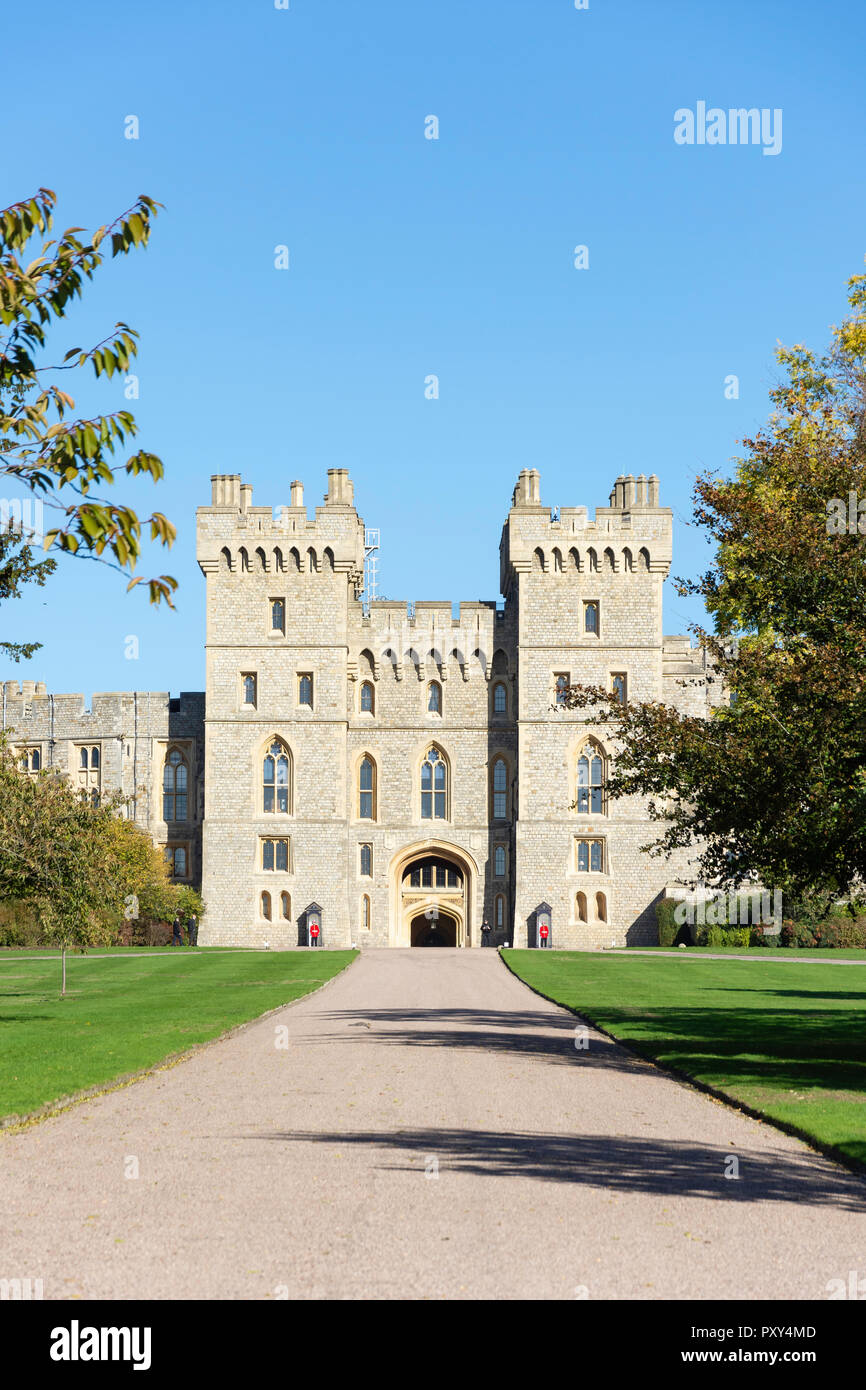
(588, 597)
(279, 589)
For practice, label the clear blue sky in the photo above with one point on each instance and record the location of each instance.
(409, 256)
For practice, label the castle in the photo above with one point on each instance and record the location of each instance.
(399, 773)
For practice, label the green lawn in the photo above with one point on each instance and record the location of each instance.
(781, 954)
(788, 1040)
(131, 1011)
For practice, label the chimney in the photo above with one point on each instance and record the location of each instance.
(628, 491)
(521, 491)
(225, 490)
(340, 491)
(535, 486)
(640, 490)
(246, 499)
(297, 493)
(652, 490)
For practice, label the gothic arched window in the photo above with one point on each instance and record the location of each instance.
(590, 781)
(500, 698)
(434, 698)
(500, 790)
(434, 786)
(175, 780)
(499, 861)
(367, 789)
(277, 779)
(266, 906)
(368, 698)
(286, 906)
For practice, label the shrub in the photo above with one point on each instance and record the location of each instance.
(713, 935)
(667, 926)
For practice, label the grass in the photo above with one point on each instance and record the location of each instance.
(772, 953)
(123, 1015)
(786, 1040)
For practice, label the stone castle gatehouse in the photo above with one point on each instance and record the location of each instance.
(403, 768)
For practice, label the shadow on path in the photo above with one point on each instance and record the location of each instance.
(616, 1163)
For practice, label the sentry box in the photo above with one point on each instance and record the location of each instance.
(313, 919)
(543, 935)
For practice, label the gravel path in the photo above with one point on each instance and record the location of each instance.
(430, 1131)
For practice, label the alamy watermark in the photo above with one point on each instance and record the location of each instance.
(735, 126)
(733, 909)
(24, 517)
(846, 517)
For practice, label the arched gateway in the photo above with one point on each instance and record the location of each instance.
(433, 887)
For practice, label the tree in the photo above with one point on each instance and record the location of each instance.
(772, 784)
(17, 567)
(58, 459)
(52, 855)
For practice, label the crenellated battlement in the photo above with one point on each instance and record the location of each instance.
(235, 536)
(633, 534)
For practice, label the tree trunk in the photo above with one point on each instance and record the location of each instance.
(63, 972)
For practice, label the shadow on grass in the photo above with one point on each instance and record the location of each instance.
(614, 1163)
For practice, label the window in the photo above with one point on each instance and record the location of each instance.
(500, 790)
(590, 856)
(175, 778)
(434, 698)
(366, 858)
(591, 617)
(433, 873)
(176, 859)
(500, 699)
(499, 861)
(500, 913)
(434, 786)
(278, 615)
(601, 907)
(562, 682)
(286, 906)
(276, 779)
(367, 789)
(89, 774)
(266, 906)
(305, 690)
(580, 907)
(249, 685)
(275, 856)
(590, 782)
(31, 759)
(368, 698)
(365, 913)
(619, 686)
